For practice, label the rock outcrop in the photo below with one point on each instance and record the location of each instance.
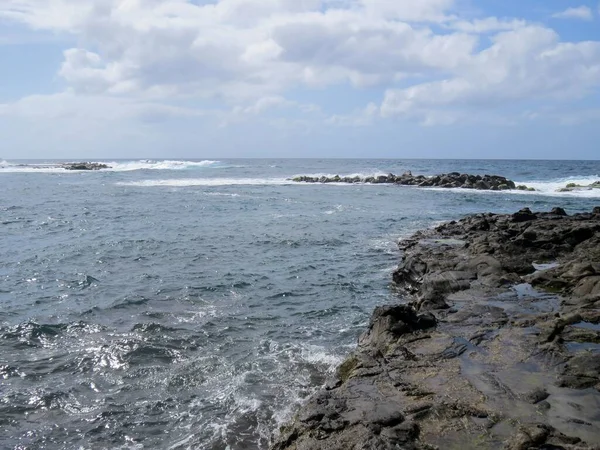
(85, 166)
(447, 180)
(497, 346)
(579, 187)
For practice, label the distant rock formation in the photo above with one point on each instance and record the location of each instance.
(85, 166)
(579, 187)
(446, 180)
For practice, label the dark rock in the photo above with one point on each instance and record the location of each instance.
(536, 396)
(449, 180)
(582, 371)
(523, 215)
(558, 212)
(85, 166)
(481, 184)
(390, 322)
(474, 375)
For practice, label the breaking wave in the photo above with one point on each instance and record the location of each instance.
(187, 182)
(115, 166)
(552, 187)
(548, 188)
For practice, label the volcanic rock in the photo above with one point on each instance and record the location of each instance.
(495, 344)
(85, 166)
(449, 180)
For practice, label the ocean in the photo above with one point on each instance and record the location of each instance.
(196, 304)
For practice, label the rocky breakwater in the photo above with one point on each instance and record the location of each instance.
(497, 345)
(85, 166)
(447, 180)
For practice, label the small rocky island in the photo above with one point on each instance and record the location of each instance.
(447, 180)
(497, 345)
(84, 166)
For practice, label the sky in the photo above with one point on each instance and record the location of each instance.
(498, 79)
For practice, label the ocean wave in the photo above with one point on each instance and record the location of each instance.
(552, 187)
(361, 175)
(115, 166)
(547, 188)
(33, 334)
(162, 165)
(188, 182)
(320, 356)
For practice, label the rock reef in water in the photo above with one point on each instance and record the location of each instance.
(85, 166)
(478, 358)
(447, 180)
(578, 187)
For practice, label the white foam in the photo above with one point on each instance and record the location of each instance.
(549, 188)
(361, 175)
(161, 165)
(336, 209)
(115, 166)
(315, 354)
(186, 182)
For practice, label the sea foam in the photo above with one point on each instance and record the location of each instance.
(547, 188)
(115, 166)
(188, 182)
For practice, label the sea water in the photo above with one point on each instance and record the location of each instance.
(196, 304)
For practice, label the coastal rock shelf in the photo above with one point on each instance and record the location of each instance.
(447, 180)
(498, 345)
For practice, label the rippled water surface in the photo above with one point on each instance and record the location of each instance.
(174, 304)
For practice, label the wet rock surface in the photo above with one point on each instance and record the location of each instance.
(85, 166)
(447, 180)
(497, 346)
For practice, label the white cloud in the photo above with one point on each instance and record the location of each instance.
(359, 118)
(266, 104)
(242, 49)
(133, 56)
(70, 107)
(487, 25)
(524, 64)
(580, 12)
(409, 10)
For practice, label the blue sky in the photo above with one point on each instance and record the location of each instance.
(299, 78)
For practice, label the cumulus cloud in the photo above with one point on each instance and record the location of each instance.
(242, 49)
(487, 25)
(409, 10)
(580, 12)
(524, 64)
(70, 107)
(434, 65)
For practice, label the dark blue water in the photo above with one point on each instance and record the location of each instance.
(195, 305)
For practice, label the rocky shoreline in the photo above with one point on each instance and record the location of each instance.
(498, 345)
(446, 180)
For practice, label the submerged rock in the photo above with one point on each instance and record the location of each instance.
(449, 180)
(477, 357)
